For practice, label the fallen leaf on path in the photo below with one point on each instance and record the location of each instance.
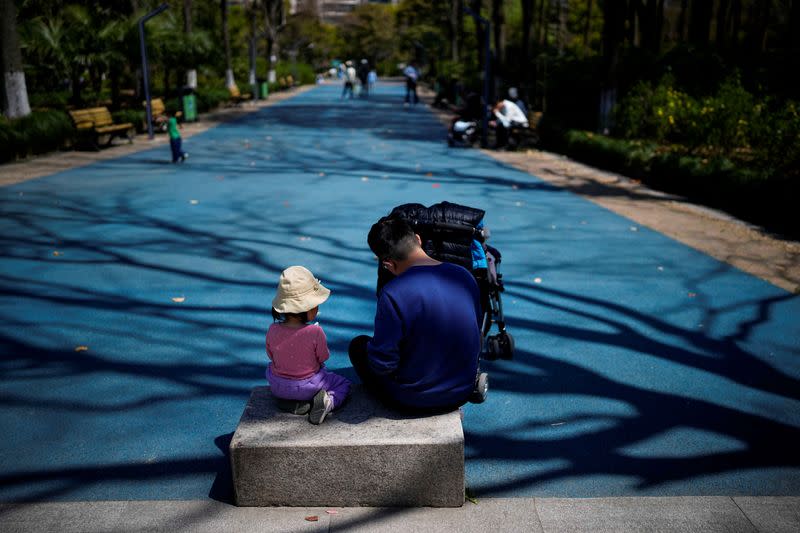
(435, 185)
(332, 511)
(179, 299)
(57, 253)
(313, 518)
(81, 348)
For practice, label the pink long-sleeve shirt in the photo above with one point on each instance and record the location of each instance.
(296, 353)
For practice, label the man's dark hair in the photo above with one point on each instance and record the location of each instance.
(391, 238)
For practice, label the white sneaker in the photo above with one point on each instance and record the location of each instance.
(322, 404)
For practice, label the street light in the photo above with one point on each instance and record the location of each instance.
(487, 69)
(160, 9)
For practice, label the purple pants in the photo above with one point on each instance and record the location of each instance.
(305, 389)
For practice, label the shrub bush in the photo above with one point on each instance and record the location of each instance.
(41, 131)
(134, 116)
(753, 193)
(210, 97)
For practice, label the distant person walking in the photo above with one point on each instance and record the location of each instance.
(175, 141)
(363, 77)
(412, 75)
(349, 80)
(372, 79)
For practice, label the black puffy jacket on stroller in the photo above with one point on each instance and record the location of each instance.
(455, 234)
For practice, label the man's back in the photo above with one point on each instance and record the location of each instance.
(427, 338)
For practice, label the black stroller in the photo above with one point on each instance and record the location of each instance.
(455, 233)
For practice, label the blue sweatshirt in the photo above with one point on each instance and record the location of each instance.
(427, 338)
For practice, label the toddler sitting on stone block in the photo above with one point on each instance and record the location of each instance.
(298, 350)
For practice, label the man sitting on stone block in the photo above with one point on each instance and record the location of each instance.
(423, 356)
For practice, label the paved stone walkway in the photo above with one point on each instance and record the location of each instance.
(643, 367)
(708, 514)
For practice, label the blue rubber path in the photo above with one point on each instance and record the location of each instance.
(643, 367)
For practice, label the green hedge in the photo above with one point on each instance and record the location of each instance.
(37, 133)
(750, 193)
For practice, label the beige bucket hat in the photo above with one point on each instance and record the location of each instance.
(299, 291)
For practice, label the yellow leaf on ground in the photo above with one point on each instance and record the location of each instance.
(179, 299)
(57, 253)
(81, 348)
(312, 518)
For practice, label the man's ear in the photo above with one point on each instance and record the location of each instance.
(419, 239)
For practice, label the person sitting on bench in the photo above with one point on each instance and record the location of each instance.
(423, 355)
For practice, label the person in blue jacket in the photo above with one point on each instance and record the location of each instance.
(423, 355)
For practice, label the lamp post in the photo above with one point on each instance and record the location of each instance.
(163, 7)
(486, 71)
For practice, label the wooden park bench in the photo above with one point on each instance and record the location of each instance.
(159, 113)
(237, 97)
(527, 137)
(96, 126)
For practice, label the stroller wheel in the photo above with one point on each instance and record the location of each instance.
(481, 388)
(506, 345)
(493, 348)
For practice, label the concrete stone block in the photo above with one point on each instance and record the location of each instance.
(362, 455)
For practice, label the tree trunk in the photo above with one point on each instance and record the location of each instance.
(563, 8)
(659, 26)
(114, 75)
(455, 29)
(760, 21)
(475, 6)
(76, 85)
(498, 29)
(614, 15)
(527, 19)
(682, 20)
(736, 23)
(541, 36)
(588, 26)
(273, 20)
(632, 34)
(700, 22)
(721, 36)
(794, 25)
(229, 81)
(15, 93)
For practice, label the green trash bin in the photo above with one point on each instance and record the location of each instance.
(263, 92)
(189, 107)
